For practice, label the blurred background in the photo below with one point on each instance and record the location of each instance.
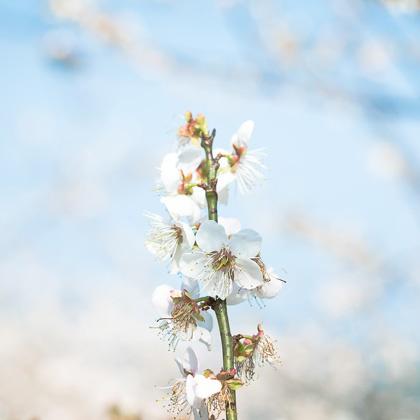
(92, 94)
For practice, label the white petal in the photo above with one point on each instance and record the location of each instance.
(191, 264)
(270, 289)
(190, 386)
(169, 173)
(243, 135)
(211, 236)
(187, 235)
(218, 286)
(180, 206)
(205, 337)
(230, 224)
(191, 286)
(199, 196)
(238, 295)
(188, 363)
(246, 243)
(208, 321)
(223, 195)
(250, 170)
(189, 157)
(162, 300)
(225, 178)
(206, 387)
(248, 274)
(174, 265)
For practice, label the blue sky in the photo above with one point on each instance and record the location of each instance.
(317, 149)
(80, 147)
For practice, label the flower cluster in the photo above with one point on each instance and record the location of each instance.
(217, 261)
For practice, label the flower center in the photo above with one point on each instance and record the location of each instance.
(223, 260)
(177, 232)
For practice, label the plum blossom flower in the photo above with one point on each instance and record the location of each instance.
(244, 166)
(167, 239)
(269, 289)
(222, 261)
(180, 193)
(189, 392)
(181, 318)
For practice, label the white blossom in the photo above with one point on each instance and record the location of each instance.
(271, 286)
(180, 194)
(182, 321)
(189, 392)
(269, 289)
(222, 261)
(244, 166)
(168, 239)
(189, 157)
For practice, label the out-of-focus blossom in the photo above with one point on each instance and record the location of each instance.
(402, 6)
(386, 161)
(348, 295)
(61, 47)
(375, 56)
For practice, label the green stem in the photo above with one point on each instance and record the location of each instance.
(202, 299)
(211, 197)
(219, 306)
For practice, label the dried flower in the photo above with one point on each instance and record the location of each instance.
(255, 351)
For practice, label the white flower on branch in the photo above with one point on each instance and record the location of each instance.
(244, 166)
(180, 193)
(272, 282)
(269, 289)
(190, 157)
(181, 317)
(222, 261)
(271, 286)
(189, 392)
(168, 239)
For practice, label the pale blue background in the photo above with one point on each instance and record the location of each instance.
(80, 146)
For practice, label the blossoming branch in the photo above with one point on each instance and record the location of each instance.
(219, 263)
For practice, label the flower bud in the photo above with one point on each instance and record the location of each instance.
(194, 129)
